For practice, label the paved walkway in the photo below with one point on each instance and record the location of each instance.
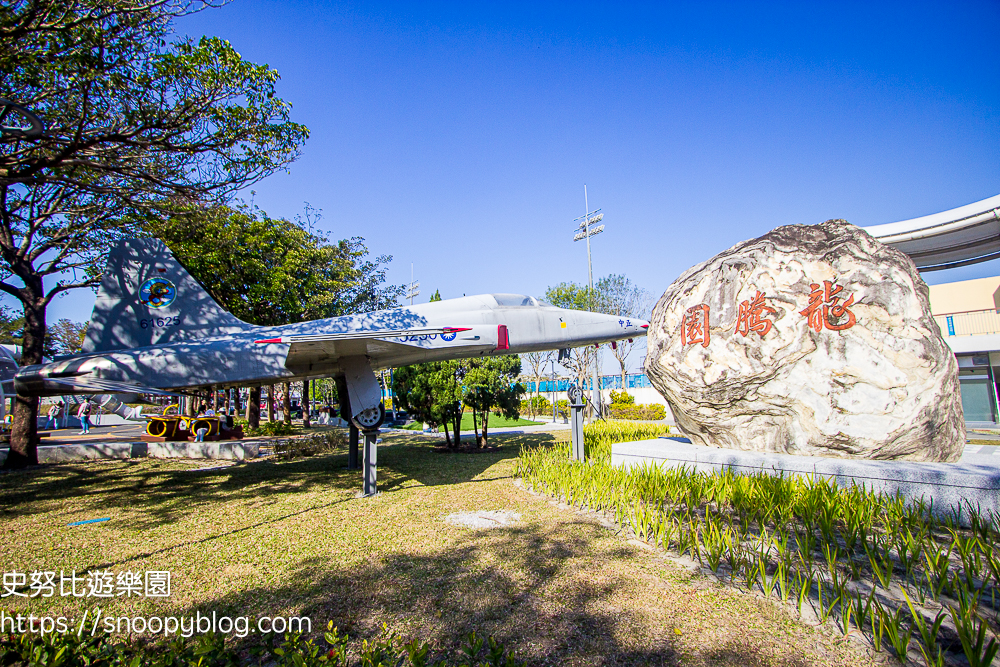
(535, 428)
(98, 434)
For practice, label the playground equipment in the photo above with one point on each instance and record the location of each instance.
(175, 426)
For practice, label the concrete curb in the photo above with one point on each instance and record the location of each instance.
(232, 450)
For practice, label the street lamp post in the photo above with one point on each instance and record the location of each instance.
(585, 231)
(413, 289)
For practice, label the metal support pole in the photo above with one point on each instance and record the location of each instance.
(552, 390)
(306, 403)
(576, 405)
(596, 396)
(392, 396)
(371, 459)
(352, 446)
(993, 391)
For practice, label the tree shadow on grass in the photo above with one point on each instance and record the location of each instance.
(544, 590)
(161, 491)
(428, 465)
(528, 586)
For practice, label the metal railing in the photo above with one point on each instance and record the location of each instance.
(969, 323)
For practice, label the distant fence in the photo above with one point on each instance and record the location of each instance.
(969, 323)
(634, 381)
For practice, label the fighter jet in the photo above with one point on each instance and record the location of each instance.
(155, 329)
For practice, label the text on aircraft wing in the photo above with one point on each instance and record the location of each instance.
(311, 352)
(354, 335)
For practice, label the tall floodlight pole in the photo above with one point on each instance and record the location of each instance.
(412, 290)
(584, 231)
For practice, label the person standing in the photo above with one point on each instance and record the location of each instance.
(84, 415)
(53, 417)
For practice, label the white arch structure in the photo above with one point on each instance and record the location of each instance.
(964, 235)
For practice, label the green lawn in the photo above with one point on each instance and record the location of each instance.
(495, 422)
(291, 537)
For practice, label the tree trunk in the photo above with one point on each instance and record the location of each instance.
(24, 425)
(286, 402)
(486, 426)
(475, 427)
(270, 402)
(447, 435)
(253, 408)
(538, 392)
(457, 424)
(305, 404)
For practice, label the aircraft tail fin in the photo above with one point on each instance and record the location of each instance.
(147, 298)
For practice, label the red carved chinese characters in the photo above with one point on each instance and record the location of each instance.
(825, 307)
(694, 328)
(752, 316)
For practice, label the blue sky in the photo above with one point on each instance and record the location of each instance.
(459, 136)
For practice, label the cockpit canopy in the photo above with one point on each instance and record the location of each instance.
(519, 301)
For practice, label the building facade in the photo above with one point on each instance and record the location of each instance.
(968, 313)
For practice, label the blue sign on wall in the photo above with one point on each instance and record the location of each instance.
(951, 325)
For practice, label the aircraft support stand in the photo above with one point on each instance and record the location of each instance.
(345, 413)
(371, 459)
(352, 446)
(576, 404)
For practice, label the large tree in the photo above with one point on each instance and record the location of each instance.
(433, 393)
(269, 271)
(133, 116)
(67, 336)
(491, 386)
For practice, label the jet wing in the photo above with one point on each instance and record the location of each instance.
(356, 335)
(308, 351)
(80, 383)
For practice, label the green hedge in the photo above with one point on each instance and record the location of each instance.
(647, 412)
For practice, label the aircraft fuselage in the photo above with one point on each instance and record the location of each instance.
(241, 359)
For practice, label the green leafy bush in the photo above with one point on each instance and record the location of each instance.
(272, 428)
(536, 405)
(622, 398)
(315, 443)
(646, 412)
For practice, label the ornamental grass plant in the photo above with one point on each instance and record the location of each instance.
(908, 577)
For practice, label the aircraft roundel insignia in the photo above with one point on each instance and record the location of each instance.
(157, 293)
(450, 336)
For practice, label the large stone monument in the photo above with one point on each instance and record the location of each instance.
(810, 340)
